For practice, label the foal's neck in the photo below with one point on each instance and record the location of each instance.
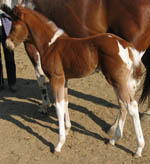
(45, 34)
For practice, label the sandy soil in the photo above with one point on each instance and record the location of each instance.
(28, 137)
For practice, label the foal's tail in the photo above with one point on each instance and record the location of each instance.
(146, 87)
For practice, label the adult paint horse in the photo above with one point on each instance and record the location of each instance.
(63, 58)
(126, 18)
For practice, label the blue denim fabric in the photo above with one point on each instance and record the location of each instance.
(6, 24)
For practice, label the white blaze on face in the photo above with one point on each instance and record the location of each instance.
(124, 54)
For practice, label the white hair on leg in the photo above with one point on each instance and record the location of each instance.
(60, 110)
(133, 111)
(120, 123)
(119, 130)
(117, 127)
(38, 69)
(67, 118)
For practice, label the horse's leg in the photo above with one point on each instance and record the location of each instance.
(42, 85)
(127, 99)
(35, 59)
(121, 117)
(148, 106)
(146, 87)
(67, 118)
(57, 86)
(133, 111)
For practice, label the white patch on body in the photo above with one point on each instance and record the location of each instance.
(56, 35)
(124, 54)
(136, 56)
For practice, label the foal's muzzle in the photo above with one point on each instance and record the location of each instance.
(10, 44)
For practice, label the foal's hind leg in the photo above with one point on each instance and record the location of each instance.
(119, 121)
(121, 117)
(127, 99)
(133, 111)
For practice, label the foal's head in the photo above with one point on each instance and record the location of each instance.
(29, 25)
(19, 32)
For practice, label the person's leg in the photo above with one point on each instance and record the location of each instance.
(10, 64)
(1, 71)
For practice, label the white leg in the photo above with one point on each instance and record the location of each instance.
(133, 111)
(113, 128)
(121, 117)
(67, 118)
(60, 109)
(120, 124)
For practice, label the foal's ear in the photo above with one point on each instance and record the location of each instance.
(17, 13)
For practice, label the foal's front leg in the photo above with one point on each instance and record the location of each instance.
(57, 85)
(67, 118)
(35, 59)
(42, 85)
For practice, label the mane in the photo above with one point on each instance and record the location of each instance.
(41, 18)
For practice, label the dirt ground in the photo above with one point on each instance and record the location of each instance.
(28, 137)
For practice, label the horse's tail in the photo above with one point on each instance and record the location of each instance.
(146, 86)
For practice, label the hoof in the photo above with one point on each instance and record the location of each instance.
(135, 155)
(42, 110)
(57, 150)
(112, 142)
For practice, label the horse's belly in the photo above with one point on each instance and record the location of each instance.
(82, 69)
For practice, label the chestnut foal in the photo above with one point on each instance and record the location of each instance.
(63, 58)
